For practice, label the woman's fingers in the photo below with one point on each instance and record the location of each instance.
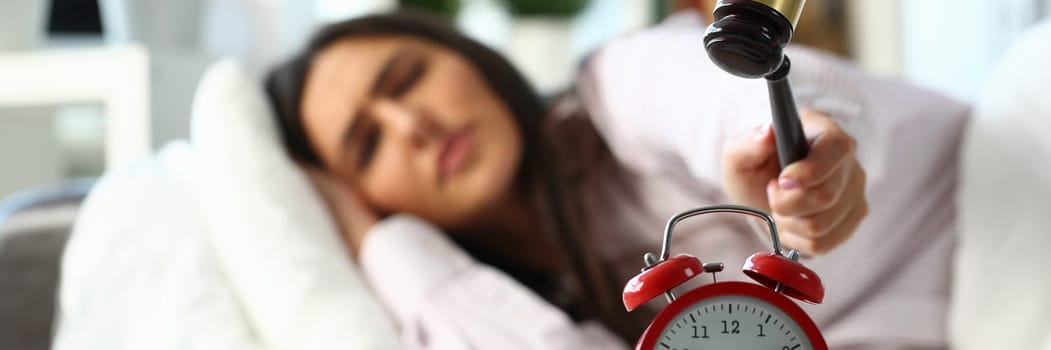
(751, 150)
(748, 162)
(817, 201)
(816, 182)
(803, 200)
(832, 239)
(830, 148)
(818, 232)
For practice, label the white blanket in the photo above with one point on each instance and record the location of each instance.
(218, 244)
(1002, 282)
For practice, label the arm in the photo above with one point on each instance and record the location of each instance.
(906, 140)
(661, 104)
(443, 299)
(656, 95)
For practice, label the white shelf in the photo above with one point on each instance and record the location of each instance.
(116, 77)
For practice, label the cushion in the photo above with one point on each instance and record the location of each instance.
(272, 233)
(1002, 282)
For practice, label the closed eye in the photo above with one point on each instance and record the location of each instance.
(401, 74)
(368, 146)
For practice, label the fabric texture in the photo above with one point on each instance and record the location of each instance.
(245, 281)
(272, 234)
(229, 247)
(222, 244)
(667, 112)
(444, 299)
(1002, 279)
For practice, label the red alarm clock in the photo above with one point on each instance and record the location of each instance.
(728, 315)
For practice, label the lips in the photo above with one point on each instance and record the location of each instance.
(454, 152)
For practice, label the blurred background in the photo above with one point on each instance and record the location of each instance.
(89, 84)
(85, 84)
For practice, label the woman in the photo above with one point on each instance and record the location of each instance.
(396, 115)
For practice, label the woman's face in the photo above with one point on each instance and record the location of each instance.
(412, 127)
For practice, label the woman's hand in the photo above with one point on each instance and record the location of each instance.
(818, 201)
(352, 216)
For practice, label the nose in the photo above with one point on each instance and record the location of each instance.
(413, 125)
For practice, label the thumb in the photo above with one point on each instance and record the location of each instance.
(751, 150)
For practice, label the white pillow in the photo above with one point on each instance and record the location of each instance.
(1001, 297)
(274, 238)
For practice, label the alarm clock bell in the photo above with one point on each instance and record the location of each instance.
(779, 276)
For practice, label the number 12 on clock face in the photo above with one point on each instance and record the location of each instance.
(732, 322)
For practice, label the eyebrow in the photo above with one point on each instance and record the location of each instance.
(355, 126)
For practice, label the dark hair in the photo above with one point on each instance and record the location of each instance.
(284, 86)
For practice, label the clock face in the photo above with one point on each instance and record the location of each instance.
(732, 322)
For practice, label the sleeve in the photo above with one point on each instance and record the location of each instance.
(658, 99)
(443, 299)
